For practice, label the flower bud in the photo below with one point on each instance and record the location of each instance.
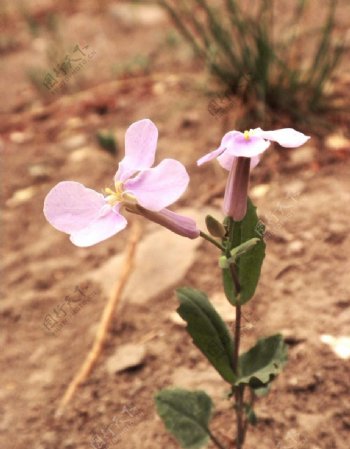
(179, 224)
(215, 228)
(236, 192)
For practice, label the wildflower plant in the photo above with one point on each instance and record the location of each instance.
(272, 64)
(90, 217)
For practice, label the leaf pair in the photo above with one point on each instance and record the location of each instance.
(186, 414)
(209, 333)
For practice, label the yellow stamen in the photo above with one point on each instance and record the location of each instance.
(118, 195)
(246, 135)
(115, 197)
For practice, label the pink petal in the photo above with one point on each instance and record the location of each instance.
(241, 147)
(286, 137)
(100, 229)
(234, 201)
(226, 160)
(70, 206)
(158, 187)
(216, 153)
(210, 156)
(236, 192)
(254, 161)
(140, 149)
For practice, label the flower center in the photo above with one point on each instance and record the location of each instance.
(246, 135)
(118, 195)
(115, 196)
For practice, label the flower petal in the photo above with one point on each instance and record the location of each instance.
(216, 153)
(70, 206)
(254, 161)
(210, 156)
(286, 137)
(102, 228)
(140, 149)
(158, 187)
(241, 147)
(226, 160)
(236, 192)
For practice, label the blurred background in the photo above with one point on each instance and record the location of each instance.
(74, 76)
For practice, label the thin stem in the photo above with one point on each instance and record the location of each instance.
(215, 440)
(239, 391)
(184, 29)
(235, 278)
(237, 333)
(211, 240)
(239, 413)
(251, 404)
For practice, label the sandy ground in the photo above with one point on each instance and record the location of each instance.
(303, 196)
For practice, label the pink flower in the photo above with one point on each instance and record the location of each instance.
(91, 217)
(239, 153)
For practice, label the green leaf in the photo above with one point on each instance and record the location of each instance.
(229, 286)
(262, 362)
(249, 264)
(186, 415)
(208, 331)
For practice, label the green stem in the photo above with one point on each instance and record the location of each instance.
(235, 279)
(211, 240)
(251, 405)
(239, 391)
(237, 333)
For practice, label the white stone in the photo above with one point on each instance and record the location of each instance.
(339, 345)
(126, 356)
(21, 196)
(75, 141)
(208, 380)
(130, 15)
(259, 191)
(162, 260)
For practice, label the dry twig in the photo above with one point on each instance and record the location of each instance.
(106, 319)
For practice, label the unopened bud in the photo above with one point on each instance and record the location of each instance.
(237, 252)
(243, 248)
(215, 228)
(236, 192)
(177, 223)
